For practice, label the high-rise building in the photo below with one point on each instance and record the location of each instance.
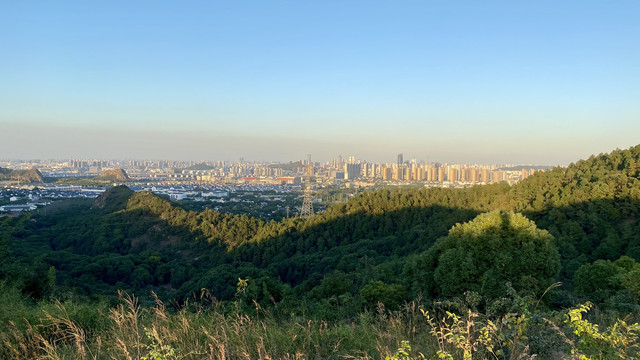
(377, 168)
(365, 169)
(497, 176)
(464, 174)
(453, 174)
(310, 169)
(400, 159)
(400, 173)
(485, 175)
(431, 173)
(387, 173)
(418, 173)
(352, 171)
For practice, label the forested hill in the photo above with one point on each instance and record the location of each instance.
(372, 247)
(613, 176)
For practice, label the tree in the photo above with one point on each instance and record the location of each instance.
(391, 295)
(483, 255)
(605, 281)
(597, 281)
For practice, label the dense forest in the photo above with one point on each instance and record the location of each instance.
(567, 238)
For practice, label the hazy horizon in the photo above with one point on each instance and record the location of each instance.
(542, 83)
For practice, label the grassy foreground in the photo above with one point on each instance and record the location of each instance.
(212, 330)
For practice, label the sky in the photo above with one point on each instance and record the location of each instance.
(523, 82)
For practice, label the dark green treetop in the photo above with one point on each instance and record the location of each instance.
(483, 255)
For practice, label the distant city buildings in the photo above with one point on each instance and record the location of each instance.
(332, 172)
(212, 181)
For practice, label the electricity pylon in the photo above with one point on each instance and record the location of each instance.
(307, 206)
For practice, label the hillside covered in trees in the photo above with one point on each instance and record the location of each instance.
(578, 226)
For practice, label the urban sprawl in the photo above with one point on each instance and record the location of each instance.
(213, 181)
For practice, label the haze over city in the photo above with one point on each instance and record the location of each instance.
(470, 82)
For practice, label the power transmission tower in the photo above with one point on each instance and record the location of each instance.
(307, 206)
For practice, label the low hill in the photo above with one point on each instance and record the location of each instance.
(114, 175)
(525, 167)
(32, 175)
(201, 166)
(292, 166)
(114, 199)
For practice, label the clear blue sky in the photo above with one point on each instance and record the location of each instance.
(544, 82)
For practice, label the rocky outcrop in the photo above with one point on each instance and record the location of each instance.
(114, 175)
(32, 175)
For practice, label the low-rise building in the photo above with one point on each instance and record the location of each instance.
(17, 208)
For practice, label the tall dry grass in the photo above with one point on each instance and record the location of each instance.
(199, 332)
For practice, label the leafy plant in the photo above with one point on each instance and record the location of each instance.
(157, 350)
(403, 353)
(618, 341)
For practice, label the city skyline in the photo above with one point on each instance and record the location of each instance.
(333, 172)
(495, 82)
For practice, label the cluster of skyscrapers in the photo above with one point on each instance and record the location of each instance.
(403, 171)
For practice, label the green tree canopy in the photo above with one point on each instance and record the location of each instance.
(604, 281)
(484, 254)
